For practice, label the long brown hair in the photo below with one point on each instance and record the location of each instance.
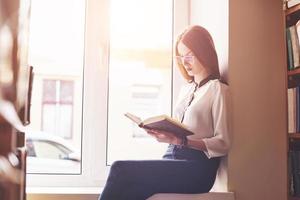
(200, 42)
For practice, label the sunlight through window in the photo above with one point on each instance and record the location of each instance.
(56, 52)
(140, 71)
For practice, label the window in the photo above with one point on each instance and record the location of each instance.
(49, 150)
(56, 52)
(105, 55)
(57, 107)
(47, 153)
(140, 74)
(145, 99)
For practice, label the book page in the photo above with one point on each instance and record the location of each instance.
(134, 118)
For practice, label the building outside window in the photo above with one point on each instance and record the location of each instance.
(57, 107)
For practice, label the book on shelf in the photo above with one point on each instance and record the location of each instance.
(294, 167)
(293, 95)
(294, 172)
(290, 59)
(290, 174)
(292, 110)
(295, 45)
(162, 123)
(291, 3)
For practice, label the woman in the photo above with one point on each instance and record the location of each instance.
(190, 163)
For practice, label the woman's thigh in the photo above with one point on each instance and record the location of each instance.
(141, 179)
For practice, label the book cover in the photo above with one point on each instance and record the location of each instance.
(295, 46)
(289, 50)
(290, 173)
(292, 3)
(296, 172)
(162, 123)
(292, 110)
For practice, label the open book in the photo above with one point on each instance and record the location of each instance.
(163, 123)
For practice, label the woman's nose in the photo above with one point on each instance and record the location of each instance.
(186, 63)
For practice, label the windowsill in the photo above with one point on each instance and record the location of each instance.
(64, 190)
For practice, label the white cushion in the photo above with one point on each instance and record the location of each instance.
(204, 196)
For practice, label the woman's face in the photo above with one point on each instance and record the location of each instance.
(189, 60)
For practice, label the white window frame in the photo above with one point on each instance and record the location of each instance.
(94, 137)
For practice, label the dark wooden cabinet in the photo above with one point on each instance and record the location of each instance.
(12, 164)
(14, 97)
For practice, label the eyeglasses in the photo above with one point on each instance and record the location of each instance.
(185, 59)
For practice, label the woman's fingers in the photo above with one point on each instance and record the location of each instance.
(162, 136)
(151, 131)
(157, 132)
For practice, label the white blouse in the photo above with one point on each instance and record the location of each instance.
(206, 116)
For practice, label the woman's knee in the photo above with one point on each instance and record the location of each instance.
(119, 164)
(120, 167)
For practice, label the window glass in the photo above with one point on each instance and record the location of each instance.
(48, 150)
(139, 74)
(56, 52)
(49, 91)
(66, 92)
(57, 107)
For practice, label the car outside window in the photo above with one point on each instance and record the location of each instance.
(51, 150)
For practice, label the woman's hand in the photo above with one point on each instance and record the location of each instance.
(164, 136)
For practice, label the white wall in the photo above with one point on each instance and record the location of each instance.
(213, 15)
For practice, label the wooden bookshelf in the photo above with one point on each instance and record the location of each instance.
(294, 198)
(292, 16)
(292, 9)
(294, 72)
(293, 77)
(294, 136)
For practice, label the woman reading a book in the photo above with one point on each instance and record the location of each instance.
(190, 162)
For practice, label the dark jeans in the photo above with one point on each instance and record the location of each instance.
(182, 170)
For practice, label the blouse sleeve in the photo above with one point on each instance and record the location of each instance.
(219, 144)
